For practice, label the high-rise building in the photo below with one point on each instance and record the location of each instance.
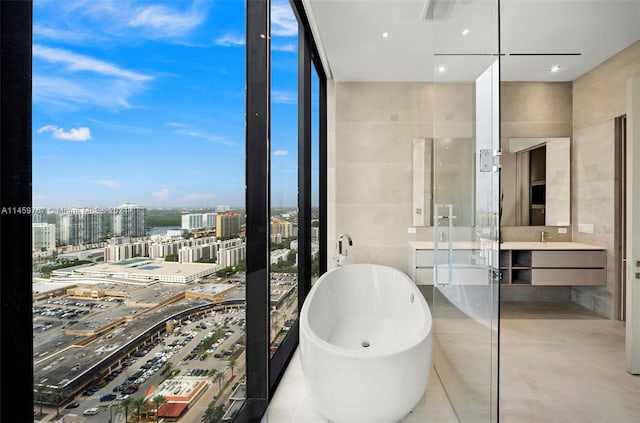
(227, 224)
(39, 215)
(282, 227)
(192, 221)
(80, 226)
(43, 236)
(209, 220)
(129, 220)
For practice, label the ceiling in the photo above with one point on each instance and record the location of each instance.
(535, 35)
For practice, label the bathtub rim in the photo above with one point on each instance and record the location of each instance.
(421, 336)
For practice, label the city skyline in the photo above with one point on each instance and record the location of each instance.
(144, 102)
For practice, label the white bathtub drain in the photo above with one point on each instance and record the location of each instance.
(365, 344)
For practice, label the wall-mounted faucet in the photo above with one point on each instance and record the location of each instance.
(544, 236)
(344, 242)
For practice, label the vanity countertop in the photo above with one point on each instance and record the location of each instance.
(509, 245)
(532, 245)
(456, 245)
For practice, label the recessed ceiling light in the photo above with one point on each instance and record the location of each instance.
(385, 34)
(555, 68)
(465, 31)
(441, 69)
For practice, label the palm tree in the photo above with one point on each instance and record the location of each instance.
(158, 401)
(126, 403)
(40, 394)
(166, 370)
(59, 394)
(218, 377)
(139, 404)
(232, 364)
(213, 414)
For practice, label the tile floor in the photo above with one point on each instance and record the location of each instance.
(290, 404)
(559, 363)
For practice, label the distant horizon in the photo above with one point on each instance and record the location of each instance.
(231, 208)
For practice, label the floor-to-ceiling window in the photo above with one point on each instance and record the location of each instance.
(284, 173)
(131, 88)
(279, 136)
(138, 175)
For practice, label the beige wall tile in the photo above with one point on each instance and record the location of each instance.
(599, 95)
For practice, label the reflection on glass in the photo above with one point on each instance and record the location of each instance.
(536, 182)
(465, 294)
(315, 175)
(138, 183)
(284, 176)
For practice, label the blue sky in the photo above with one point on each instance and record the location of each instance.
(144, 102)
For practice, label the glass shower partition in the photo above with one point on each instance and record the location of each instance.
(466, 218)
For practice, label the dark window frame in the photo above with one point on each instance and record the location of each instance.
(258, 84)
(15, 220)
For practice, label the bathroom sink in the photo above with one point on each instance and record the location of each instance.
(549, 245)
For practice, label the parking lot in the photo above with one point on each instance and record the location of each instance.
(222, 333)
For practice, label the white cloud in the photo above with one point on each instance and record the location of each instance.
(63, 34)
(284, 97)
(161, 22)
(291, 48)
(109, 183)
(67, 93)
(163, 194)
(283, 21)
(47, 128)
(74, 134)
(203, 135)
(105, 21)
(280, 153)
(72, 79)
(230, 40)
(176, 124)
(77, 62)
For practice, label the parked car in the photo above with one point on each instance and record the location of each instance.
(91, 411)
(108, 397)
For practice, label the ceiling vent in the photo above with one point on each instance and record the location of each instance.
(437, 9)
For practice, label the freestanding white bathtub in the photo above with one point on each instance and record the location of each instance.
(365, 344)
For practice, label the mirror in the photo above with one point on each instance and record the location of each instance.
(436, 171)
(535, 180)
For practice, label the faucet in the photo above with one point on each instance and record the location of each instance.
(341, 250)
(544, 236)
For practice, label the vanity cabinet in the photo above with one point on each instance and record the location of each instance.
(554, 267)
(422, 258)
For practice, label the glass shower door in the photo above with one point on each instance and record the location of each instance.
(466, 208)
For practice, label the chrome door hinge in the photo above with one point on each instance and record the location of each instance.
(489, 160)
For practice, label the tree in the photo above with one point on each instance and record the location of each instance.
(232, 364)
(218, 377)
(139, 404)
(166, 370)
(126, 404)
(41, 394)
(213, 414)
(158, 401)
(59, 394)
